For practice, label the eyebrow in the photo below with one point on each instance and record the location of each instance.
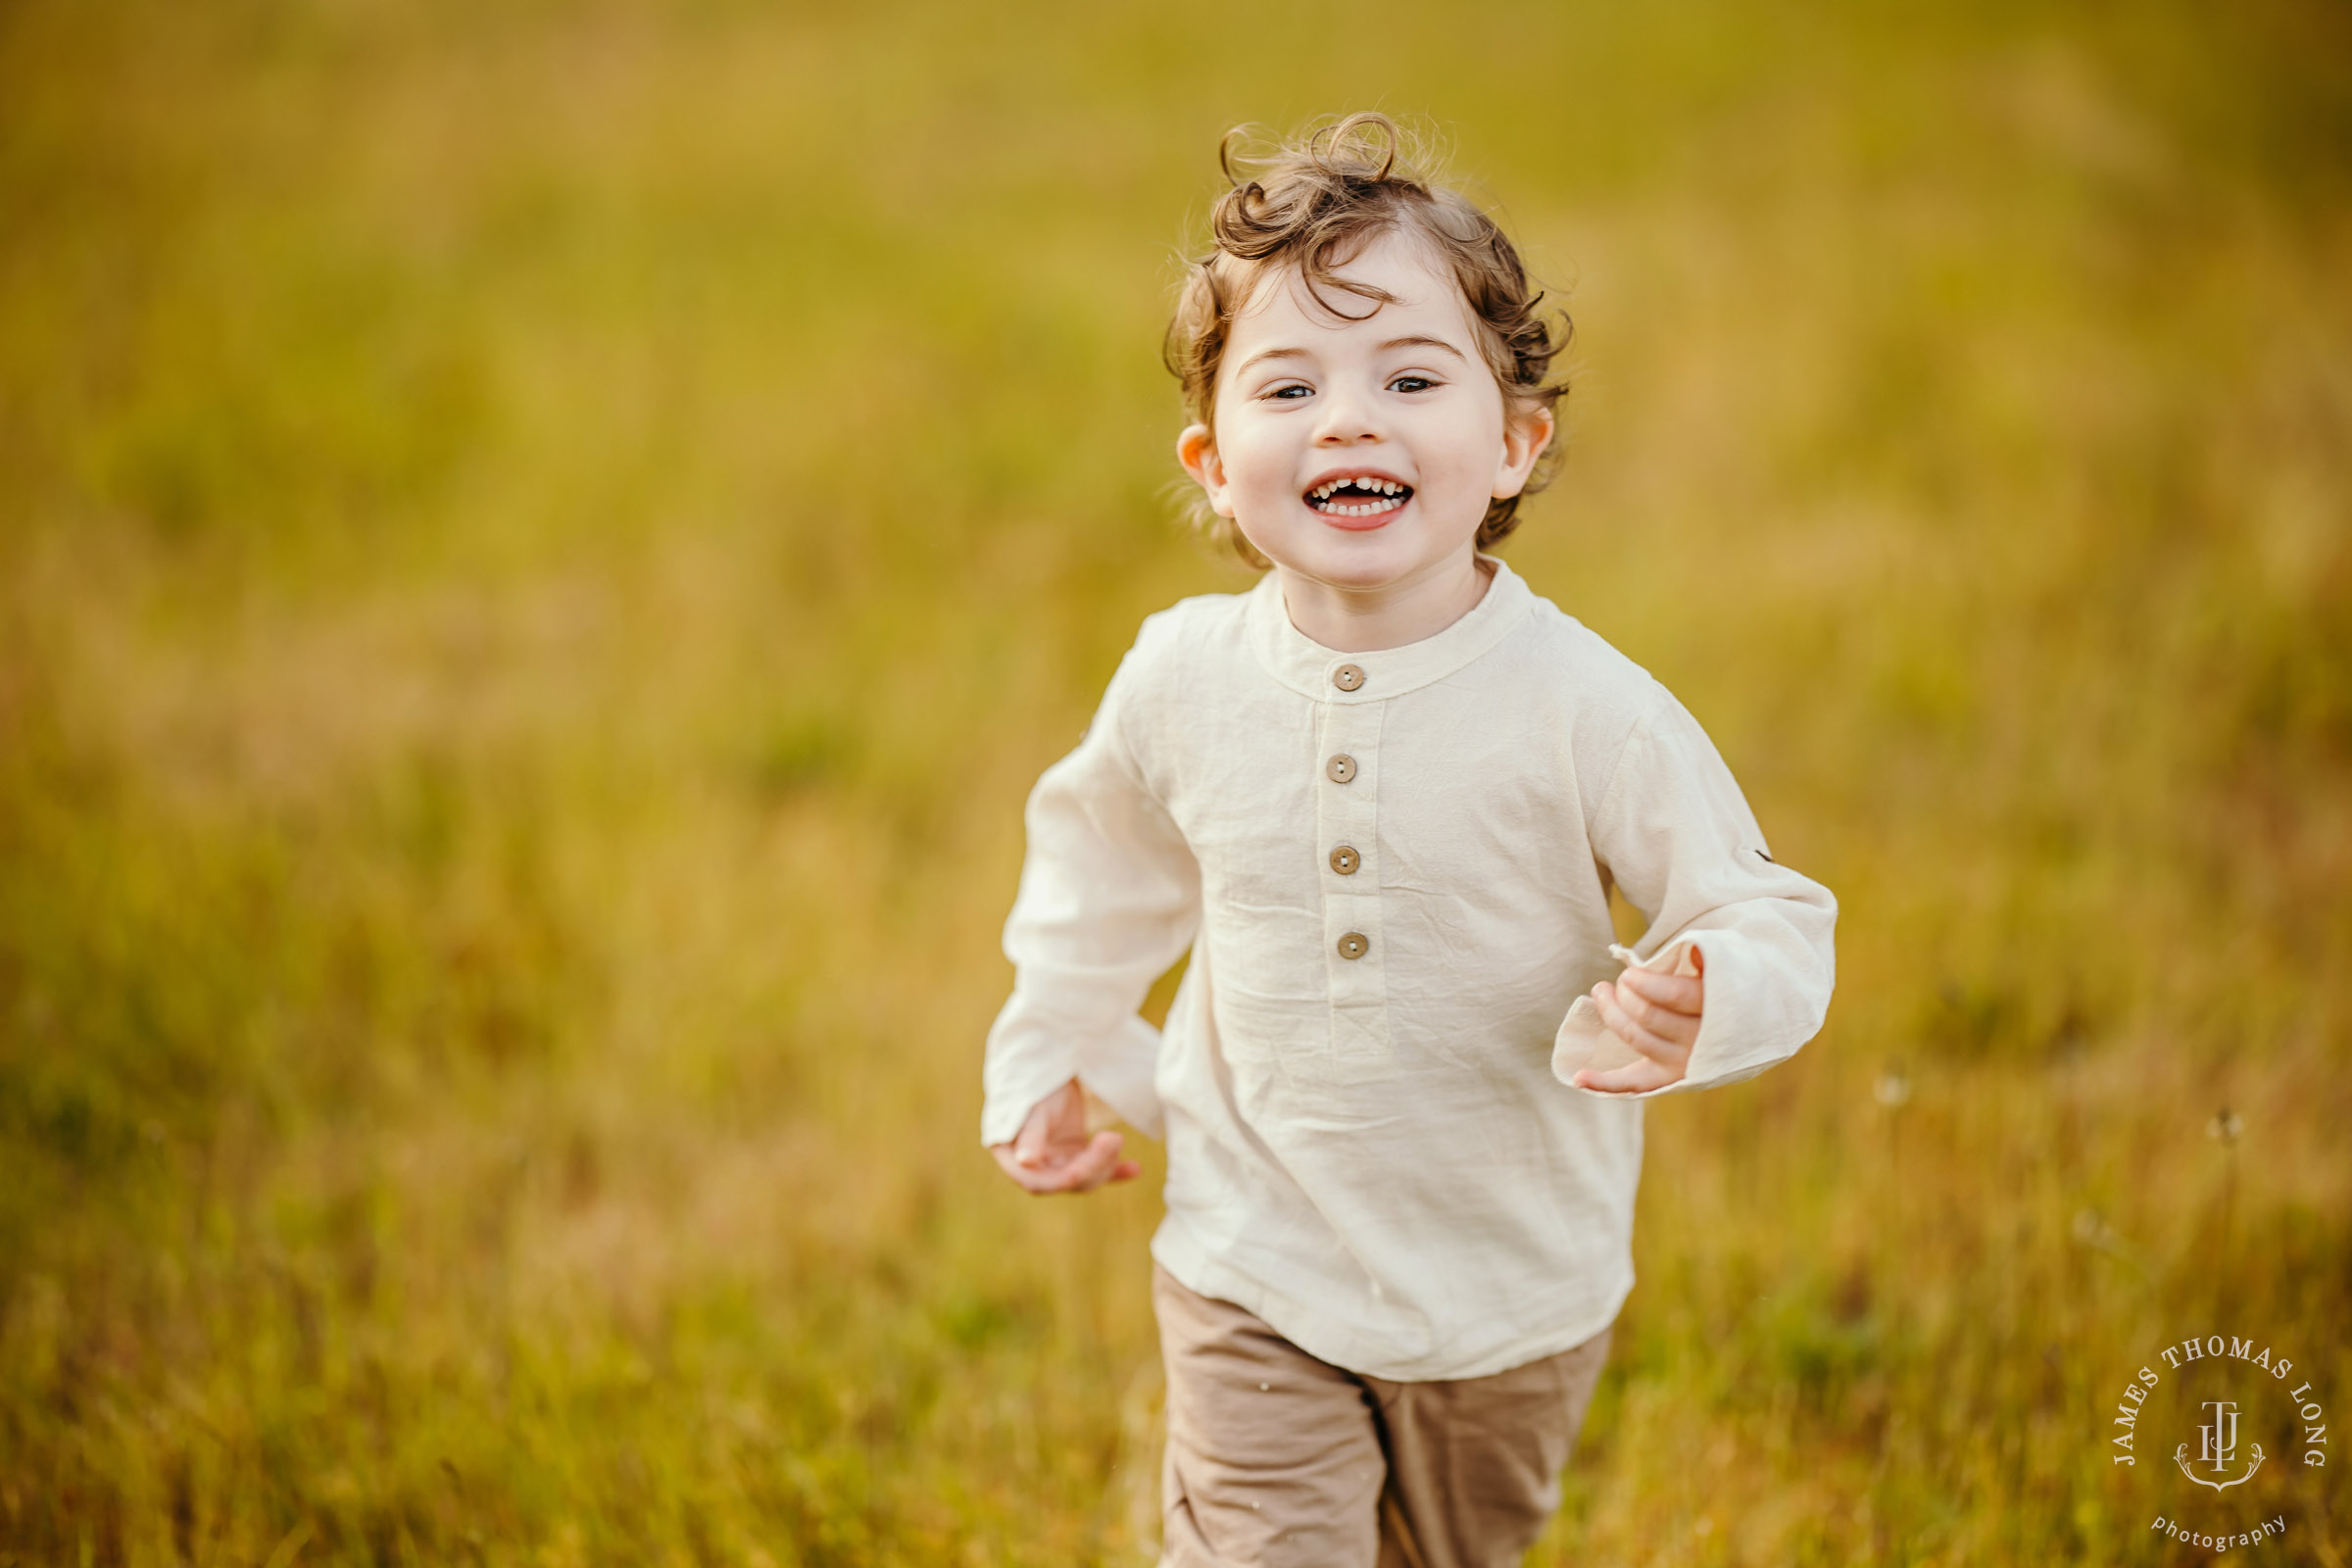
(1413, 342)
(1421, 343)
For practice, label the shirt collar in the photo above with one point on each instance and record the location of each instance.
(1311, 669)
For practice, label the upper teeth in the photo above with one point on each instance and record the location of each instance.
(1378, 487)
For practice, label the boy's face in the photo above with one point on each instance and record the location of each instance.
(1400, 405)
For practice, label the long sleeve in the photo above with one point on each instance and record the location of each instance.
(1392, 865)
(1110, 897)
(1677, 834)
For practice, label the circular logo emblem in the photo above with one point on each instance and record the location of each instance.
(2223, 1438)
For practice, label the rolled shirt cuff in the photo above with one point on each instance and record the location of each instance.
(1117, 1066)
(1729, 1047)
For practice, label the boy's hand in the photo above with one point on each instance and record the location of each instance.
(1053, 1152)
(1657, 1014)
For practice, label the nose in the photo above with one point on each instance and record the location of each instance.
(1347, 418)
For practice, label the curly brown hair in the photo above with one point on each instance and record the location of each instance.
(1312, 204)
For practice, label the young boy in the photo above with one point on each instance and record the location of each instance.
(1381, 799)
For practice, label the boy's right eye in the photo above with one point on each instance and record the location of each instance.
(1285, 391)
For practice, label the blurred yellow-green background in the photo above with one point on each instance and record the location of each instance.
(542, 546)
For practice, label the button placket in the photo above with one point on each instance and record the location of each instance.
(1347, 815)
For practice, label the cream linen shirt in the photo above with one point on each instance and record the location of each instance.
(1363, 1084)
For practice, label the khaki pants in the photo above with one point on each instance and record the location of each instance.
(1277, 1458)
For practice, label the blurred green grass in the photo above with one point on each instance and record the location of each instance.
(543, 544)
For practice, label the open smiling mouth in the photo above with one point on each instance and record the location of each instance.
(1361, 497)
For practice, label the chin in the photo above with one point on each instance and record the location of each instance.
(1364, 568)
(1390, 551)
(1369, 558)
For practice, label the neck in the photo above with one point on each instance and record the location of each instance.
(1353, 619)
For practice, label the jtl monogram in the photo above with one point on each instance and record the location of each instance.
(2219, 1447)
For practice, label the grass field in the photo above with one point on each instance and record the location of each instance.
(542, 546)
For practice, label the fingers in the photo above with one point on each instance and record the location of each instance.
(1657, 1014)
(1095, 1165)
(1039, 1178)
(1652, 1019)
(1632, 1079)
(1029, 1149)
(1668, 1049)
(1673, 992)
(1064, 1170)
(1047, 1126)
(1052, 1153)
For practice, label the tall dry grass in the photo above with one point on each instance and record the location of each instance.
(543, 546)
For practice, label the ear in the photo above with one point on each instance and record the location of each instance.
(1524, 438)
(1197, 450)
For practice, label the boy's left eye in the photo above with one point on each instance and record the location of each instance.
(1412, 383)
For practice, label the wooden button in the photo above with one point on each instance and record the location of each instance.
(1345, 860)
(1354, 945)
(1347, 677)
(1342, 768)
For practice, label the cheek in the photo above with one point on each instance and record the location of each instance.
(1461, 457)
(1478, 447)
(1256, 458)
